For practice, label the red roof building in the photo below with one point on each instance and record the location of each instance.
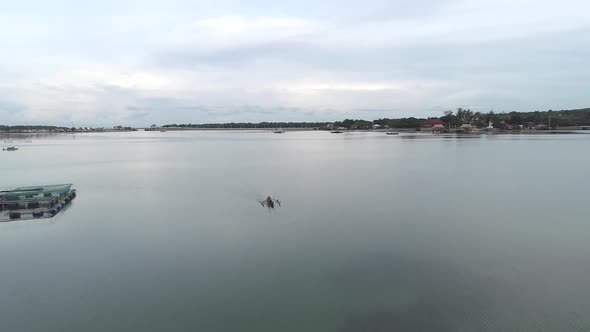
(432, 122)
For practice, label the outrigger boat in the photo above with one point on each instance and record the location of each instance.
(10, 148)
(269, 202)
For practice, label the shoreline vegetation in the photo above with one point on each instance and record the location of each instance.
(39, 129)
(460, 120)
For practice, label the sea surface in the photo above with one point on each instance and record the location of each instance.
(375, 233)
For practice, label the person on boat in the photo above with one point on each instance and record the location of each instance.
(269, 202)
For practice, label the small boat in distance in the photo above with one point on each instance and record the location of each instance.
(392, 133)
(279, 131)
(269, 202)
(336, 132)
(10, 148)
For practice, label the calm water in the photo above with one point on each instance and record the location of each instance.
(376, 233)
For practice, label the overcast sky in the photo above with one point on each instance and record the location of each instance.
(141, 62)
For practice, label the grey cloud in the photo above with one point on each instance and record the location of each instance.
(10, 108)
(170, 111)
(168, 105)
(139, 115)
(436, 59)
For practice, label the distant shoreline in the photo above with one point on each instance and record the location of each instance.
(567, 131)
(464, 120)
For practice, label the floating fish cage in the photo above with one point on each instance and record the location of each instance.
(34, 202)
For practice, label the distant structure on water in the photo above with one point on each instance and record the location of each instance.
(34, 202)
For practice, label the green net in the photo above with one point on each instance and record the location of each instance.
(35, 191)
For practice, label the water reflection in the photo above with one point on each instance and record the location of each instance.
(421, 233)
(395, 293)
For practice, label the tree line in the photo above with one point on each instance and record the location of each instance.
(249, 125)
(22, 127)
(579, 117)
(550, 118)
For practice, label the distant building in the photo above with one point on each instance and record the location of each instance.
(467, 126)
(377, 126)
(439, 127)
(429, 123)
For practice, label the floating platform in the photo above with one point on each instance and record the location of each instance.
(35, 202)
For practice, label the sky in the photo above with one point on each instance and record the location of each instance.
(106, 63)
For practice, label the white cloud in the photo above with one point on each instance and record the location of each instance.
(236, 31)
